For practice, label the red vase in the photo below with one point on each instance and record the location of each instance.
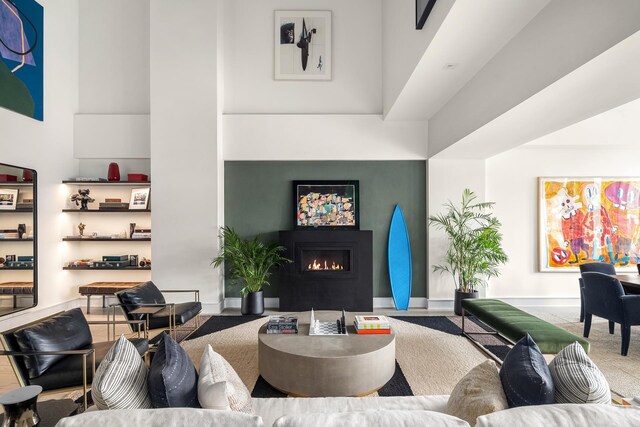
(114, 172)
(27, 176)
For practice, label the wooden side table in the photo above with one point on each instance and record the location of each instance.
(20, 406)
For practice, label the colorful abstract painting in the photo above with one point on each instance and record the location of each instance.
(326, 204)
(589, 219)
(21, 53)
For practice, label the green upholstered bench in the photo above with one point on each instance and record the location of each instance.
(513, 324)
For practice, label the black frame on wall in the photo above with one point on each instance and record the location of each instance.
(423, 10)
(300, 187)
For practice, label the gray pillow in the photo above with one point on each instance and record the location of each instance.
(385, 417)
(121, 379)
(577, 379)
(173, 380)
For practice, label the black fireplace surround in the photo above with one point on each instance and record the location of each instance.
(331, 270)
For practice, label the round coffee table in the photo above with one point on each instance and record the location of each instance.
(20, 406)
(323, 366)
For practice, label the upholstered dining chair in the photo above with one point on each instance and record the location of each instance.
(600, 267)
(604, 297)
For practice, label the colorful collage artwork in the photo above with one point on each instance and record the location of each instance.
(326, 205)
(589, 219)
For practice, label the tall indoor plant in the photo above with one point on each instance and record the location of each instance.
(249, 262)
(475, 245)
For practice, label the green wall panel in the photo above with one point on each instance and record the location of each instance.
(258, 200)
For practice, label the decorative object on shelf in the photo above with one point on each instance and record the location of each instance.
(139, 198)
(133, 260)
(475, 245)
(113, 173)
(83, 197)
(141, 233)
(81, 228)
(21, 57)
(318, 328)
(326, 205)
(399, 260)
(135, 177)
(88, 179)
(2, 261)
(583, 220)
(423, 9)
(132, 229)
(7, 177)
(8, 199)
(302, 45)
(27, 175)
(144, 262)
(9, 258)
(9, 233)
(249, 262)
(22, 229)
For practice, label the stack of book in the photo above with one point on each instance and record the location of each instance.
(11, 233)
(141, 233)
(25, 204)
(24, 261)
(282, 325)
(371, 324)
(112, 261)
(113, 204)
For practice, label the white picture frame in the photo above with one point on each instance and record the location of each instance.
(8, 199)
(139, 198)
(302, 45)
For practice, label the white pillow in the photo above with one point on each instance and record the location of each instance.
(219, 386)
(564, 415)
(121, 379)
(385, 417)
(576, 379)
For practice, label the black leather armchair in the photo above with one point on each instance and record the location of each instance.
(600, 267)
(604, 297)
(168, 315)
(58, 352)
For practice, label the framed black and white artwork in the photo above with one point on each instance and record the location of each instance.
(302, 45)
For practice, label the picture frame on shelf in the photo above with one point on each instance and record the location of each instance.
(8, 199)
(133, 260)
(302, 45)
(9, 258)
(326, 205)
(139, 198)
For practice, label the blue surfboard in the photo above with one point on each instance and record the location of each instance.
(399, 256)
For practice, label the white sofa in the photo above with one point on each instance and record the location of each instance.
(348, 411)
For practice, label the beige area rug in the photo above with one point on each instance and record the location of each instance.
(622, 372)
(432, 361)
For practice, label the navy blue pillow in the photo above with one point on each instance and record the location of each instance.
(173, 380)
(525, 376)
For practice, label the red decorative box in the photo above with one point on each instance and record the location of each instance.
(137, 177)
(4, 177)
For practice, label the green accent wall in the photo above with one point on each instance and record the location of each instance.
(258, 200)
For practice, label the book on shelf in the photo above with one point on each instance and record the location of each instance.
(113, 205)
(380, 331)
(19, 264)
(141, 233)
(88, 179)
(110, 264)
(25, 258)
(115, 257)
(112, 200)
(25, 206)
(372, 322)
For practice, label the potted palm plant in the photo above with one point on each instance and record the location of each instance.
(475, 245)
(250, 263)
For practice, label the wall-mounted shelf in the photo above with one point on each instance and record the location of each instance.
(15, 240)
(106, 183)
(4, 184)
(107, 268)
(106, 210)
(15, 268)
(16, 211)
(106, 239)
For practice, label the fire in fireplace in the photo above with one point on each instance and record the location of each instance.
(325, 260)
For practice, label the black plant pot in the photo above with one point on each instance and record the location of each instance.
(459, 296)
(253, 303)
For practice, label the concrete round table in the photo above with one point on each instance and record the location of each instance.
(323, 366)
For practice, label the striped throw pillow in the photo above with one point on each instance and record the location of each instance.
(121, 379)
(577, 379)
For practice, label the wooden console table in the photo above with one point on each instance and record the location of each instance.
(104, 289)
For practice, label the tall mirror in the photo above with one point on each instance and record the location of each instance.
(18, 239)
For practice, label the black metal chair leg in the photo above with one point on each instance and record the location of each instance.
(612, 327)
(587, 324)
(626, 339)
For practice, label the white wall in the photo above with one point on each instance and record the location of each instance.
(185, 117)
(447, 180)
(512, 182)
(356, 50)
(48, 147)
